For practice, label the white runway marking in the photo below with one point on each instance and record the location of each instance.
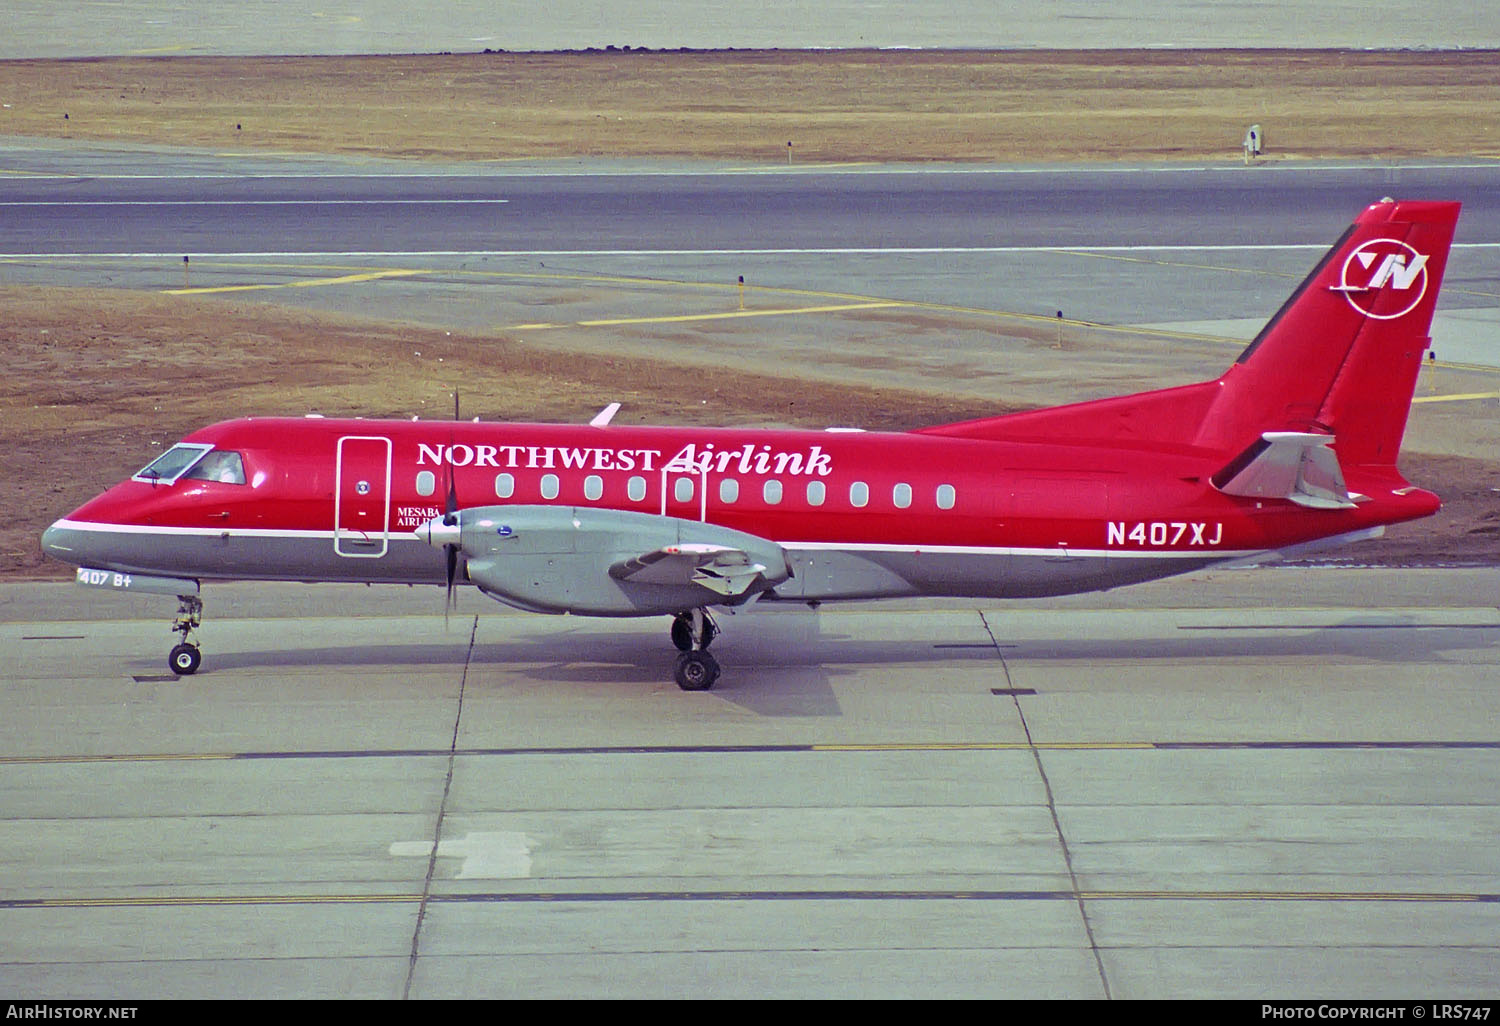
(401, 201)
(847, 251)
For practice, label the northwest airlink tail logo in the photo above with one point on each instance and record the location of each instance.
(1383, 264)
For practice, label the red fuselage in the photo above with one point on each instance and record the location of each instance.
(344, 500)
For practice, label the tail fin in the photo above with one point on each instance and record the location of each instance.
(1341, 356)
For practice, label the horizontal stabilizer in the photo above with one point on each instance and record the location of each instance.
(1293, 465)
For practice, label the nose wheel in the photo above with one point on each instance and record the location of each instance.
(184, 659)
(692, 633)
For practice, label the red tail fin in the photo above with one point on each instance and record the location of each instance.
(1341, 357)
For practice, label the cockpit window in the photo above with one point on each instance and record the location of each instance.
(219, 465)
(173, 463)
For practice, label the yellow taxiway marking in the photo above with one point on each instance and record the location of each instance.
(230, 899)
(347, 279)
(682, 318)
(993, 746)
(16, 172)
(1459, 398)
(34, 760)
(1278, 896)
(260, 153)
(851, 301)
(182, 901)
(793, 168)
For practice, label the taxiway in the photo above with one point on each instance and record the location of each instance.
(1244, 784)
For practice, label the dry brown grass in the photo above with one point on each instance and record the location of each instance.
(747, 105)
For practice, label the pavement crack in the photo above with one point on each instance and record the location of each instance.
(1062, 838)
(437, 832)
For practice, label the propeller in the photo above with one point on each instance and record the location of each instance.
(450, 549)
(450, 519)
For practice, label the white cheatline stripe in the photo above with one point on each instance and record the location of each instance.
(987, 550)
(794, 546)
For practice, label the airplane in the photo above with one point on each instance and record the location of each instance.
(1294, 445)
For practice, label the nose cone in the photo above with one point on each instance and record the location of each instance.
(57, 542)
(437, 533)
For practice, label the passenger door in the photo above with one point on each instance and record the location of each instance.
(362, 497)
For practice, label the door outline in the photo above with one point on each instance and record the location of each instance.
(349, 541)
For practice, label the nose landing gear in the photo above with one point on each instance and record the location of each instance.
(692, 633)
(185, 658)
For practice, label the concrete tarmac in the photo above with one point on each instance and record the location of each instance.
(1261, 784)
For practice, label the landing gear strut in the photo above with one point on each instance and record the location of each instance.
(185, 658)
(694, 629)
(692, 633)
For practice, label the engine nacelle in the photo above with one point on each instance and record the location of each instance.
(603, 562)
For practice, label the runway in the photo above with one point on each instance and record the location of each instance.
(1254, 784)
(1202, 254)
(63, 202)
(1250, 784)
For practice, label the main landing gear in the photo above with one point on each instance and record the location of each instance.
(185, 657)
(692, 633)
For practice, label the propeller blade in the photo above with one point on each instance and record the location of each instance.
(450, 507)
(450, 518)
(451, 599)
(446, 533)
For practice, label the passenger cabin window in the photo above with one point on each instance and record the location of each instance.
(729, 490)
(549, 486)
(172, 464)
(859, 494)
(816, 493)
(946, 496)
(593, 487)
(771, 492)
(426, 482)
(636, 489)
(505, 486)
(218, 465)
(901, 496)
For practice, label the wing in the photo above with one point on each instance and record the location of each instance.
(603, 562)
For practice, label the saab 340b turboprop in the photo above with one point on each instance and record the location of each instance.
(1296, 443)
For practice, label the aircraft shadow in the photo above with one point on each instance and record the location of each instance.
(793, 673)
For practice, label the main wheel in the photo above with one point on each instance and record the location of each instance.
(696, 671)
(184, 660)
